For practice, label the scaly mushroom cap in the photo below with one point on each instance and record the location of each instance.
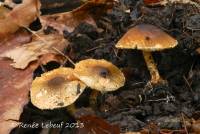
(55, 89)
(146, 37)
(99, 74)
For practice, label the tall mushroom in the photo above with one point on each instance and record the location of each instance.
(147, 38)
(55, 89)
(100, 75)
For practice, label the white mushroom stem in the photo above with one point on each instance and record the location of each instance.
(155, 76)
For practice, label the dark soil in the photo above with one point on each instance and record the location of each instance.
(133, 107)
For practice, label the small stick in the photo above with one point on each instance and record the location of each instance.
(52, 47)
(94, 48)
(43, 68)
(188, 84)
(182, 116)
(64, 56)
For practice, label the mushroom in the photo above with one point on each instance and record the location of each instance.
(147, 38)
(100, 75)
(55, 89)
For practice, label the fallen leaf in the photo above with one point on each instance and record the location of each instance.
(14, 87)
(14, 91)
(96, 125)
(14, 40)
(41, 44)
(15, 83)
(21, 16)
(69, 20)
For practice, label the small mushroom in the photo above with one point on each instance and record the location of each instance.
(55, 89)
(147, 38)
(100, 75)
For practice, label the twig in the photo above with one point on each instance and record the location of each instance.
(43, 68)
(185, 127)
(64, 55)
(167, 99)
(46, 42)
(94, 48)
(116, 53)
(188, 84)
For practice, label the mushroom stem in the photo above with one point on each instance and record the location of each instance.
(93, 98)
(155, 76)
(71, 109)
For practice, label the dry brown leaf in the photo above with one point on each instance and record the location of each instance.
(69, 20)
(14, 87)
(14, 91)
(14, 40)
(15, 83)
(40, 45)
(65, 21)
(21, 16)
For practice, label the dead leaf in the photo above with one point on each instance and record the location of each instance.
(14, 91)
(15, 83)
(14, 40)
(69, 20)
(14, 87)
(40, 45)
(44, 59)
(96, 125)
(21, 16)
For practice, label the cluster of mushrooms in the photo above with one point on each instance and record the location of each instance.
(62, 87)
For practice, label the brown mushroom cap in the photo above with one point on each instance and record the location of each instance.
(55, 89)
(146, 37)
(99, 74)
